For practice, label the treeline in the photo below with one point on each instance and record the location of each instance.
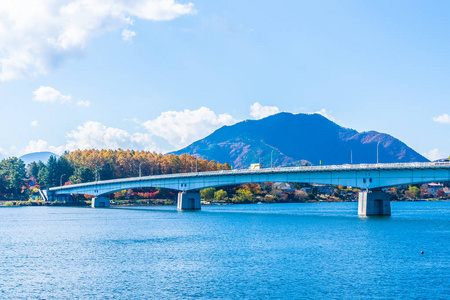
(12, 175)
(89, 165)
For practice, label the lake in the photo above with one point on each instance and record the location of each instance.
(277, 251)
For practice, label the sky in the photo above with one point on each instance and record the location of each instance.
(158, 75)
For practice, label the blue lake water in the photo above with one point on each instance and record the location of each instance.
(278, 251)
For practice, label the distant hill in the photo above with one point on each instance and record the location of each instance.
(37, 156)
(297, 139)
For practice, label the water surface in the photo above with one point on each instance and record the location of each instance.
(275, 251)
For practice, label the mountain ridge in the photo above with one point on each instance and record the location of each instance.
(298, 139)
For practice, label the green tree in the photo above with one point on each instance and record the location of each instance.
(413, 192)
(3, 184)
(42, 177)
(267, 187)
(220, 195)
(63, 169)
(33, 170)
(51, 174)
(82, 175)
(208, 193)
(243, 196)
(106, 172)
(13, 170)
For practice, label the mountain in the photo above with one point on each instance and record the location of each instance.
(37, 156)
(297, 139)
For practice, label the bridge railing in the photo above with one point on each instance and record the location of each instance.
(346, 167)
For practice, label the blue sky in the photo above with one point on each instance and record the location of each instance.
(158, 75)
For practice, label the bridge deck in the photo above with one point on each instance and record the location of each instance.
(361, 175)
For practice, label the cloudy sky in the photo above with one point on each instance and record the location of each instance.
(160, 74)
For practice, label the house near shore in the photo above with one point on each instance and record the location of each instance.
(434, 187)
(284, 187)
(306, 189)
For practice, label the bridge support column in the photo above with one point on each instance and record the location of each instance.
(374, 203)
(188, 201)
(100, 202)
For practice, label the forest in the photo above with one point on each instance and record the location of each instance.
(18, 181)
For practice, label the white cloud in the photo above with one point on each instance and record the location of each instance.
(434, 154)
(37, 35)
(34, 123)
(180, 128)
(326, 114)
(258, 111)
(84, 103)
(177, 128)
(94, 135)
(49, 94)
(159, 10)
(39, 146)
(443, 119)
(127, 35)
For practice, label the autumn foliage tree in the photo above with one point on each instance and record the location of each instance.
(440, 193)
(111, 164)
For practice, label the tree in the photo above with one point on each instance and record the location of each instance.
(220, 195)
(440, 193)
(33, 170)
(267, 187)
(82, 175)
(254, 188)
(3, 184)
(51, 175)
(63, 169)
(13, 171)
(301, 195)
(42, 177)
(242, 196)
(413, 192)
(16, 179)
(208, 193)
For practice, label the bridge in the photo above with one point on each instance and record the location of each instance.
(370, 178)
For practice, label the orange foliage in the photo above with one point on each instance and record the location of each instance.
(125, 163)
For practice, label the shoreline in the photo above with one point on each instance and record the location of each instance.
(166, 202)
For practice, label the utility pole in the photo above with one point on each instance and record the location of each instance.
(271, 159)
(97, 174)
(140, 168)
(351, 154)
(378, 161)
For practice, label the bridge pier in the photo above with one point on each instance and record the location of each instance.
(374, 203)
(188, 201)
(100, 202)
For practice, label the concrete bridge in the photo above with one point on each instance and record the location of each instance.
(370, 178)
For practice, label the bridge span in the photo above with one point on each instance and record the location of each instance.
(368, 177)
